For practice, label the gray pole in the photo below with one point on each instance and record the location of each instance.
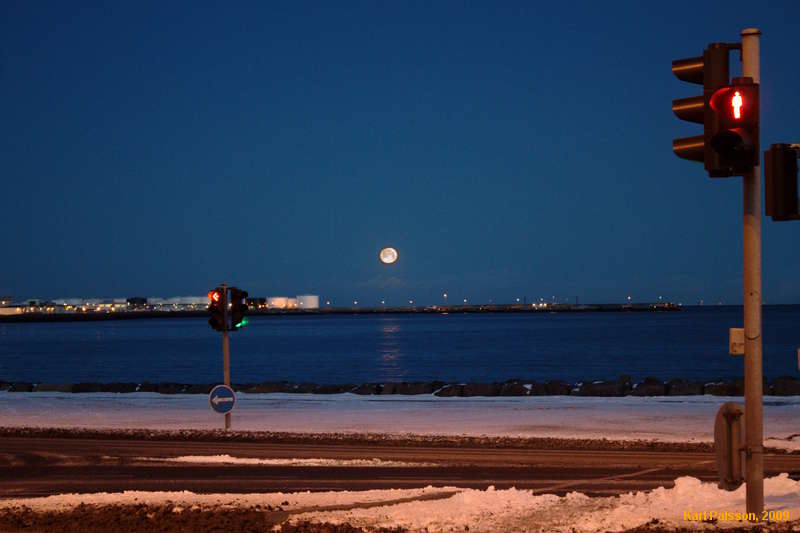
(753, 380)
(226, 354)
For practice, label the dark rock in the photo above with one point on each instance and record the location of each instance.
(21, 387)
(537, 389)
(449, 391)
(333, 389)
(682, 387)
(411, 388)
(119, 387)
(481, 389)
(785, 386)
(87, 387)
(302, 388)
(53, 387)
(282, 386)
(619, 387)
(199, 388)
(650, 387)
(417, 387)
(367, 388)
(147, 387)
(513, 389)
(557, 388)
(724, 388)
(171, 388)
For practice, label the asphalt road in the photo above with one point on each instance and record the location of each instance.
(36, 466)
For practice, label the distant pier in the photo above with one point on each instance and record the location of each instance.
(355, 310)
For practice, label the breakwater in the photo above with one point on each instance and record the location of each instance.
(651, 386)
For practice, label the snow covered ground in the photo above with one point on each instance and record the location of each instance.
(689, 503)
(293, 461)
(668, 419)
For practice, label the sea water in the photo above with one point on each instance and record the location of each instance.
(691, 343)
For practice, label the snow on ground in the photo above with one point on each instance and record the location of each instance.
(665, 418)
(230, 460)
(451, 508)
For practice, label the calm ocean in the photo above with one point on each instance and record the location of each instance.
(692, 343)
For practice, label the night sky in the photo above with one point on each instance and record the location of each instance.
(506, 150)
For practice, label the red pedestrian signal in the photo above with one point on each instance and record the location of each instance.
(736, 103)
(736, 117)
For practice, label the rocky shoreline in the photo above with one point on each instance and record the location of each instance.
(623, 386)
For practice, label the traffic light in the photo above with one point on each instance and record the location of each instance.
(238, 309)
(711, 70)
(780, 182)
(736, 136)
(216, 306)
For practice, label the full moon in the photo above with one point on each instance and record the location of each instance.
(388, 256)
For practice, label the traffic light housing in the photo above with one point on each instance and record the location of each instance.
(711, 70)
(780, 182)
(217, 307)
(729, 113)
(736, 128)
(238, 309)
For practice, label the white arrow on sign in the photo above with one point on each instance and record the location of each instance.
(216, 400)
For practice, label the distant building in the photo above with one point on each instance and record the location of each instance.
(178, 303)
(256, 303)
(303, 301)
(136, 302)
(308, 301)
(277, 302)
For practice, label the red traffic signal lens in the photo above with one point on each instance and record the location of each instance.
(213, 296)
(736, 103)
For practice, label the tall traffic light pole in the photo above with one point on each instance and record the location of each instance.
(753, 378)
(729, 111)
(226, 352)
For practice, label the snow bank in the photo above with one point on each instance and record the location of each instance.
(451, 508)
(230, 460)
(517, 510)
(678, 418)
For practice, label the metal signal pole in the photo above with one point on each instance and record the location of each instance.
(226, 353)
(753, 378)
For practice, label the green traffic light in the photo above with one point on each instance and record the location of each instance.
(244, 322)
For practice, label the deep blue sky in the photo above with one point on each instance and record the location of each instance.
(505, 149)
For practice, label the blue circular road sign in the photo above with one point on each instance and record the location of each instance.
(222, 399)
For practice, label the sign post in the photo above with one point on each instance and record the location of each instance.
(226, 352)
